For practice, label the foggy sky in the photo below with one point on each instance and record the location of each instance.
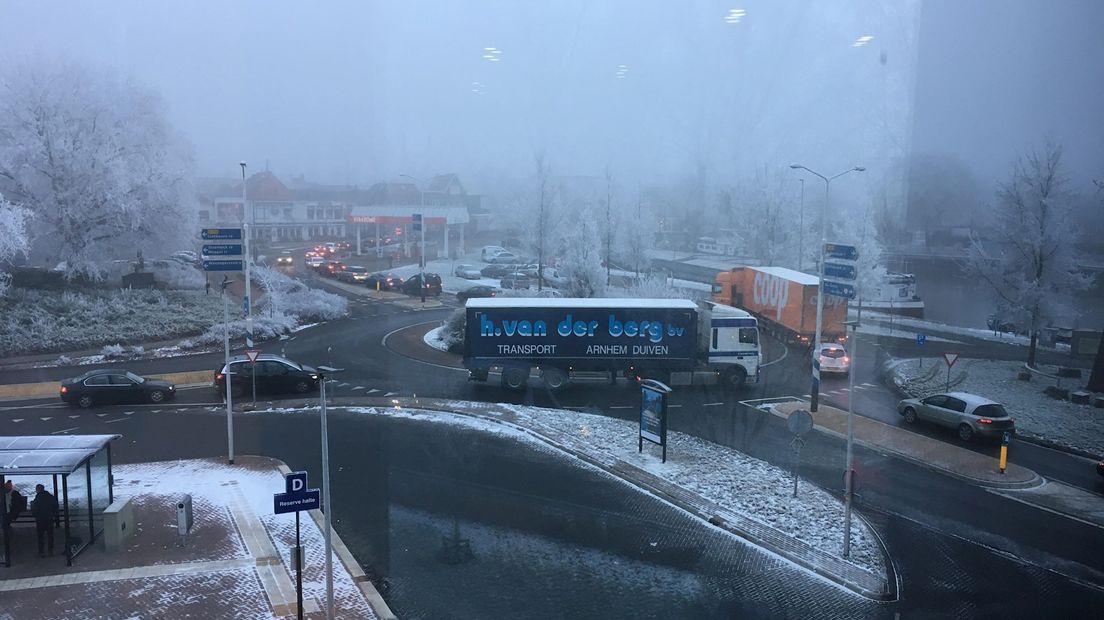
(370, 90)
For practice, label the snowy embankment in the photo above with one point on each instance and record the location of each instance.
(1037, 415)
(124, 321)
(909, 327)
(744, 485)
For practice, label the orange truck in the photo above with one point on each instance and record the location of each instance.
(784, 300)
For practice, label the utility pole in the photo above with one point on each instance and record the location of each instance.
(815, 392)
(248, 302)
(801, 229)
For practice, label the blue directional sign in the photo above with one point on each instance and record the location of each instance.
(229, 249)
(245, 306)
(838, 250)
(222, 265)
(296, 495)
(921, 339)
(417, 220)
(837, 270)
(220, 234)
(839, 289)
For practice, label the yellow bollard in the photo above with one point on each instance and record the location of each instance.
(1003, 457)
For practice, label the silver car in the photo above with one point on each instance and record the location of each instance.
(468, 272)
(969, 414)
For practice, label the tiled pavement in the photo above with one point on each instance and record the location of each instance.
(229, 568)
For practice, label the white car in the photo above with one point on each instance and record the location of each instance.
(285, 259)
(468, 272)
(489, 252)
(834, 358)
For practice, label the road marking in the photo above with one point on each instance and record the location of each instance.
(151, 411)
(622, 407)
(115, 420)
(65, 431)
(785, 352)
(359, 387)
(390, 394)
(342, 384)
(74, 417)
(49, 418)
(17, 419)
(100, 415)
(373, 391)
(673, 406)
(870, 385)
(132, 413)
(712, 404)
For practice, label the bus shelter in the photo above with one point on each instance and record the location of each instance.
(75, 468)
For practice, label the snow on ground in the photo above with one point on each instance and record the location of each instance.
(1036, 414)
(748, 486)
(875, 329)
(435, 338)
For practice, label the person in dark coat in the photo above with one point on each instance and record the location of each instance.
(45, 509)
(14, 503)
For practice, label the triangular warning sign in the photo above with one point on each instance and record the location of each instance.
(950, 358)
(253, 354)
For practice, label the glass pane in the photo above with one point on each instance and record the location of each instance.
(79, 520)
(100, 494)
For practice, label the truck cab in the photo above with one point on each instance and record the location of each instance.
(730, 341)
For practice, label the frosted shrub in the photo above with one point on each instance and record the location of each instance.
(112, 350)
(454, 330)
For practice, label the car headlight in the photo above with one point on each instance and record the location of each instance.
(315, 377)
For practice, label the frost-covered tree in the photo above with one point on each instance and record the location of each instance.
(13, 237)
(765, 218)
(1030, 264)
(93, 158)
(581, 265)
(633, 236)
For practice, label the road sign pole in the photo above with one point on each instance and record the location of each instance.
(848, 488)
(326, 504)
(229, 401)
(298, 570)
(248, 282)
(948, 379)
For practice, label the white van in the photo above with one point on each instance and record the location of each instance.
(490, 252)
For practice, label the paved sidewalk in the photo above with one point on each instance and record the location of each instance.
(946, 457)
(234, 564)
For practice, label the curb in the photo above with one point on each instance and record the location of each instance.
(889, 593)
(366, 587)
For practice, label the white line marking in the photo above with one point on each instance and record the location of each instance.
(132, 413)
(49, 418)
(359, 387)
(870, 385)
(17, 419)
(73, 417)
(622, 407)
(373, 391)
(100, 415)
(115, 420)
(65, 431)
(674, 406)
(712, 404)
(390, 393)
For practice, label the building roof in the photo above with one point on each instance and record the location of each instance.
(48, 454)
(265, 186)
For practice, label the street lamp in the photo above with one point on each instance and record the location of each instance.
(801, 228)
(248, 260)
(815, 394)
(421, 225)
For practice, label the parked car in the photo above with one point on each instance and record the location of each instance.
(353, 274)
(274, 375)
(186, 256)
(413, 285)
(333, 267)
(505, 258)
(1100, 467)
(467, 271)
(383, 281)
(970, 415)
(496, 271)
(515, 280)
(488, 253)
(114, 387)
(285, 259)
(479, 290)
(549, 292)
(834, 358)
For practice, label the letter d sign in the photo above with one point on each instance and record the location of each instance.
(295, 482)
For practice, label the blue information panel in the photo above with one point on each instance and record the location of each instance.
(651, 416)
(229, 249)
(294, 502)
(839, 289)
(838, 250)
(921, 339)
(837, 270)
(222, 265)
(220, 234)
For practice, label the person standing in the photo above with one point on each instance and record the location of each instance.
(44, 508)
(14, 503)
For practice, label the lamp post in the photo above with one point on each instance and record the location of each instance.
(801, 228)
(421, 225)
(248, 260)
(815, 393)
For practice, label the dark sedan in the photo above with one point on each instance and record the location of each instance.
(383, 281)
(496, 271)
(114, 387)
(413, 284)
(272, 374)
(480, 290)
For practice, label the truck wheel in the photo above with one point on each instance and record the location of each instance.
(554, 378)
(734, 379)
(515, 377)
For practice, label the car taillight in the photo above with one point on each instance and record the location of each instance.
(220, 377)
(984, 421)
(64, 390)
